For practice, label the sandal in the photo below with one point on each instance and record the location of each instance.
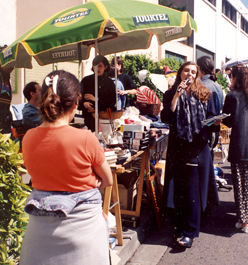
(186, 242)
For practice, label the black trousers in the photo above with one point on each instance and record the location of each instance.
(187, 200)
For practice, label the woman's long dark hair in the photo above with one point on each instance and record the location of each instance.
(240, 75)
(53, 106)
(198, 89)
(206, 65)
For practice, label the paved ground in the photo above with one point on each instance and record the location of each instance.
(219, 242)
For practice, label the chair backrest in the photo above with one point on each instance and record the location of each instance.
(17, 111)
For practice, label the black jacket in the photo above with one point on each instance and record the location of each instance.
(106, 96)
(236, 104)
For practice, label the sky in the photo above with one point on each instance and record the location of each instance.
(245, 2)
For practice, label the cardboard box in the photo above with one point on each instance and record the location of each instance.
(127, 187)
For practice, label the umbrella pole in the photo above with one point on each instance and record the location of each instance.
(96, 95)
(116, 91)
(79, 62)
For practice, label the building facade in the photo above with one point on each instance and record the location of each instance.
(222, 28)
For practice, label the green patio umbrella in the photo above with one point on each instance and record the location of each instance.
(110, 25)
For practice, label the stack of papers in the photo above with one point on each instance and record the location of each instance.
(212, 120)
(111, 156)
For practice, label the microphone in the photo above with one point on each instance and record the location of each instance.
(185, 82)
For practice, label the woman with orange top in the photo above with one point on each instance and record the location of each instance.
(67, 166)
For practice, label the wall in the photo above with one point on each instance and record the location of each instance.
(206, 35)
(32, 12)
(8, 22)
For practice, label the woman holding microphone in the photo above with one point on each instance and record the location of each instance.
(189, 175)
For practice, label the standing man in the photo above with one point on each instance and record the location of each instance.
(31, 116)
(208, 78)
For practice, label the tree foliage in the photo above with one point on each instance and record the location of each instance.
(171, 5)
(13, 196)
(135, 63)
(222, 82)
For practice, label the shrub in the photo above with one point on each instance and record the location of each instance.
(222, 82)
(135, 63)
(13, 196)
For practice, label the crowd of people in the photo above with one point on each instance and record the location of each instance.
(65, 207)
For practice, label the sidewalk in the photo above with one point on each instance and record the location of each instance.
(134, 237)
(149, 245)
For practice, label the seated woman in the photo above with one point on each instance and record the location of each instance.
(67, 166)
(106, 91)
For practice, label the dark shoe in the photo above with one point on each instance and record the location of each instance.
(186, 242)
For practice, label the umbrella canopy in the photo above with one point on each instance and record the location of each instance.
(236, 61)
(110, 26)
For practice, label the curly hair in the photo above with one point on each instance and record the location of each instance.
(197, 88)
(54, 105)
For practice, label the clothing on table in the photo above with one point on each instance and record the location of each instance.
(31, 117)
(189, 177)
(70, 163)
(128, 84)
(121, 99)
(236, 105)
(106, 96)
